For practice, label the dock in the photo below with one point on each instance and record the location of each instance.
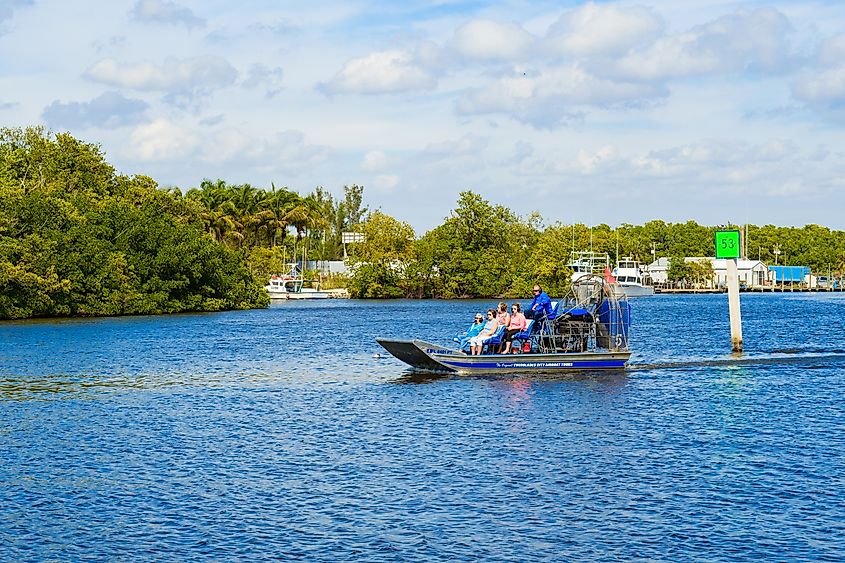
(337, 293)
(787, 289)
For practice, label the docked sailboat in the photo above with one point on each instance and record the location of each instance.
(293, 286)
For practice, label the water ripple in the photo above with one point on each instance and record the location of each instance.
(244, 436)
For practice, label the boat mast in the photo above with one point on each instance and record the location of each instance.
(617, 247)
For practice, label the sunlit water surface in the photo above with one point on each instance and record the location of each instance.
(281, 433)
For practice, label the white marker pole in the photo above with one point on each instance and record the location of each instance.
(733, 306)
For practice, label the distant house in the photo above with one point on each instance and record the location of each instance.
(752, 273)
(658, 271)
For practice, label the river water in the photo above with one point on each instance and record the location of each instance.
(281, 434)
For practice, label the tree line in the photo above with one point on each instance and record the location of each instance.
(77, 238)
(483, 250)
(272, 227)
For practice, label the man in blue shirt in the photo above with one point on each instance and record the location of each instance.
(541, 306)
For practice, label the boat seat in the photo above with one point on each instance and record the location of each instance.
(491, 343)
(524, 334)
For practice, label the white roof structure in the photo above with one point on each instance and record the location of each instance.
(751, 272)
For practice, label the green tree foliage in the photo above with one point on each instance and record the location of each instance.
(480, 250)
(701, 271)
(76, 238)
(243, 216)
(679, 269)
(380, 262)
(484, 250)
(549, 259)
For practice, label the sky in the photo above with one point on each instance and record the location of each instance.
(590, 112)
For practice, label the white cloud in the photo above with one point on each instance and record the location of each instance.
(260, 75)
(522, 151)
(285, 151)
(693, 158)
(374, 160)
(589, 162)
(832, 51)
(602, 29)
(193, 75)
(487, 40)
(108, 110)
(8, 7)
(291, 151)
(160, 11)
(212, 120)
(753, 41)
(741, 164)
(466, 145)
(166, 141)
(454, 156)
(386, 182)
(381, 72)
(162, 140)
(823, 86)
(493, 80)
(553, 97)
(226, 144)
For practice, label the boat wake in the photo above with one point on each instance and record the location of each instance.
(791, 357)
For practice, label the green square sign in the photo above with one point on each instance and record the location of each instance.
(727, 244)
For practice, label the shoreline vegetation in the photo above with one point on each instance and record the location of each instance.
(79, 239)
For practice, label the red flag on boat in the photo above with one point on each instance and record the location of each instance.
(608, 275)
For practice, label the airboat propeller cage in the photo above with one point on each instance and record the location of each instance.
(593, 295)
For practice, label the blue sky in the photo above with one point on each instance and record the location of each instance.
(614, 112)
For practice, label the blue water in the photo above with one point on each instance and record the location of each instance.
(278, 434)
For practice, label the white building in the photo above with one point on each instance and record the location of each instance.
(752, 273)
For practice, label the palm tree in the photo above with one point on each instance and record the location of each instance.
(278, 209)
(220, 214)
(246, 201)
(311, 215)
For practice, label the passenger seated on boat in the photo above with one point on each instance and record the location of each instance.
(504, 319)
(476, 343)
(523, 338)
(517, 325)
(492, 344)
(476, 327)
(541, 306)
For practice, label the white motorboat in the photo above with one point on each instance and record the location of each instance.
(630, 278)
(293, 286)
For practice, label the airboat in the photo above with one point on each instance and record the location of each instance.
(588, 330)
